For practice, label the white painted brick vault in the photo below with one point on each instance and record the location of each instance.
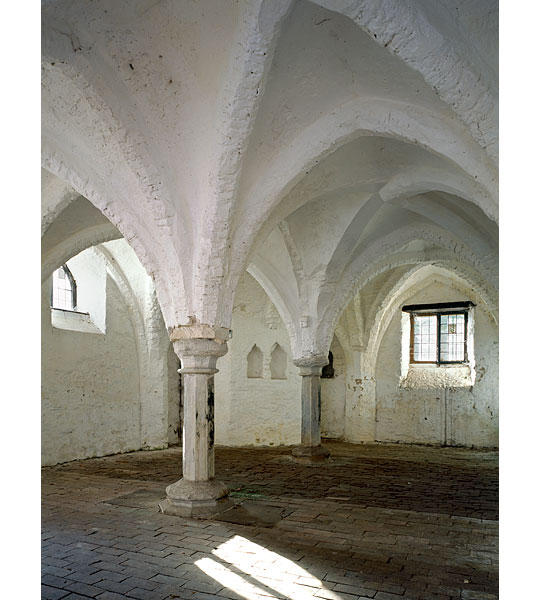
(292, 171)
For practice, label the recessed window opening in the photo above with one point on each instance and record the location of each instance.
(64, 290)
(438, 336)
(79, 293)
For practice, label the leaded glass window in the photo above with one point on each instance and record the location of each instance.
(439, 337)
(64, 290)
(452, 346)
(425, 338)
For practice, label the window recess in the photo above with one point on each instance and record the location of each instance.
(439, 332)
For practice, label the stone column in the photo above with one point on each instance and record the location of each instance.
(310, 448)
(197, 494)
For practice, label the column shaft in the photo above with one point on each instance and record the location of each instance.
(310, 448)
(198, 427)
(311, 410)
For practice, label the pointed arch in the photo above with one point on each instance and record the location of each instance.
(255, 363)
(278, 362)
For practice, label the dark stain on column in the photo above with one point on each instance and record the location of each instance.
(210, 412)
(318, 384)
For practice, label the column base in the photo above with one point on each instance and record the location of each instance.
(196, 499)
(311, 453)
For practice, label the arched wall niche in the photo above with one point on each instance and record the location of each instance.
(278, 362)
(255, 363)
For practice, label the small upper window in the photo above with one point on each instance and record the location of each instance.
(438, 336)
(64, 290)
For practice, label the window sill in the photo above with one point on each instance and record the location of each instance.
(439, 366)
(68, 310)
(431, 376)
(70, 320)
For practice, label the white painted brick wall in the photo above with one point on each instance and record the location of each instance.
(469, 415)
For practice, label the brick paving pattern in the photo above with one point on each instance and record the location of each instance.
(381, 521)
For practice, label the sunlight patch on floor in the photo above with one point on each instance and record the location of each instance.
(253, 571)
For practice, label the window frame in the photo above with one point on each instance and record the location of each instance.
(437, 310)
(73, 284)
(438, 360)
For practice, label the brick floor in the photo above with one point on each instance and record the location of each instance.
(381, 521)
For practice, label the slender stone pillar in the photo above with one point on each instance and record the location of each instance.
(197, 494)
(310, 448)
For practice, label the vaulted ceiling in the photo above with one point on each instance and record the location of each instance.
(311, 142)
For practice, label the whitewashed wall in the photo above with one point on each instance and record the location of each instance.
(256, 411)
(454, 415)
(90, 396)
(115, 388)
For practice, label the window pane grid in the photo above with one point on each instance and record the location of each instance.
(452, 338)
(62, 292)
(425, 338)
(438, 338)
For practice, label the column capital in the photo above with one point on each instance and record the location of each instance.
(199, 355)
(311, 365)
